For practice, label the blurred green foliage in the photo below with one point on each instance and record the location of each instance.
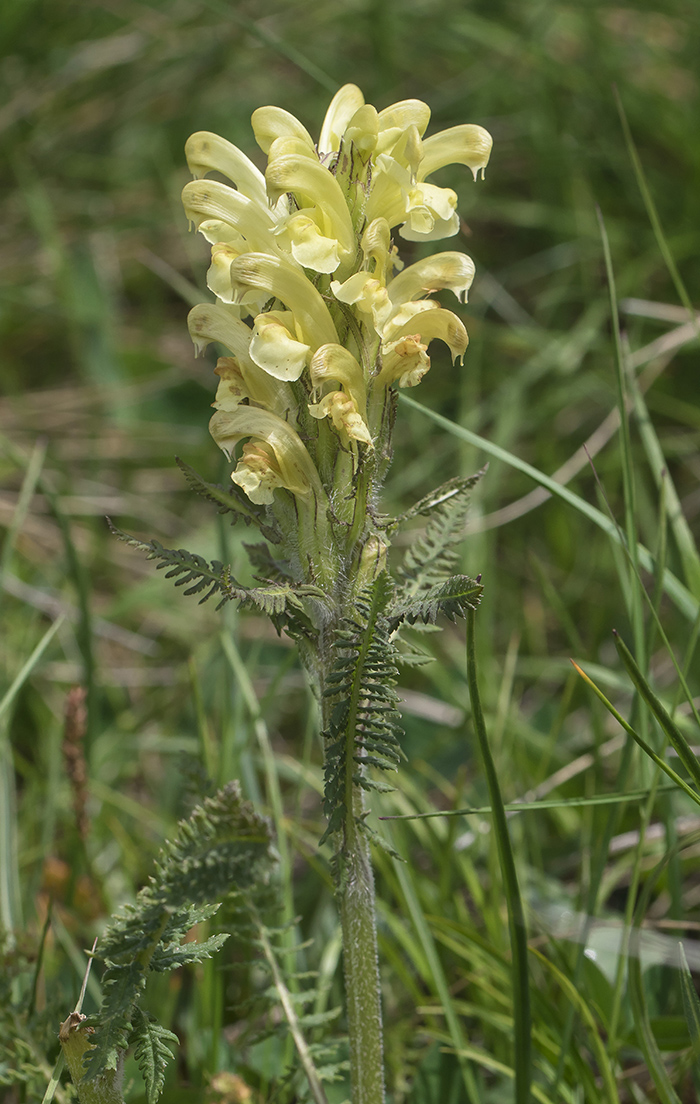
(96, 274)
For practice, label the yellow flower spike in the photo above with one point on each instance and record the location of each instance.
(363, 130)
(274, 122)
(281, 278)
(311, 184)
(431, 324)
(405, 361)
(404, 114)
(209, 322)
(345, 417)
(444, 270)
(207, 152)
(341, 109)
(258, 473)
(334, 362)
(467, 144)
(307, 242)
(296, 468)
(432, 214)
(206, 200)
(273, 348)
(367, 294)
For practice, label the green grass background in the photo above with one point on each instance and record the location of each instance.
(101, 391)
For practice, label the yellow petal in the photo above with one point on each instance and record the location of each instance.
(340, 111)
(467, 144)
(209, 322)
(289, 145)
(296, 466)
(367, 294)
(252, 300)
(406, 148)
(212, 200)
(405, 360)
(281, 279)
(431, 324)
(444, 270)
(273, 348)
(404, 114)
(431, 214)
(334, 362)
(344, 416)
(311, 184)
(232, 387)
(258, 473)
(206, 152)
(363, 130)
(307, 244)
(274, 122)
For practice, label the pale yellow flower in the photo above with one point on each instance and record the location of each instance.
(346, 418)
(258, 473)
(273, 347)
(297, 471)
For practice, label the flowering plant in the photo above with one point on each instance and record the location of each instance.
(323, 323)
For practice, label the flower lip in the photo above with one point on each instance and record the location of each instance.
(341, 109)
(282, 280)
(295, 464)
(311, 183)
(467, 144)
(207, 152)
(274, 122)
(443, 270)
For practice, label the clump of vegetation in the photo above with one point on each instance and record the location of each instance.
(180, 699)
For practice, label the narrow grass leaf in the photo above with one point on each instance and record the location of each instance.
(516, 916)
(677, 739)
(661, 763)
(581, 1005)
(438, 976)
(677, 592)
(27, 668)
(535, 806)
(653, 215)
(691, 1004)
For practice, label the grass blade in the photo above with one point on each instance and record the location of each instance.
(677, 739)
(677, 592)
(516, 916)
(646, 748)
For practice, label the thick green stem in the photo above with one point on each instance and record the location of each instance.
(357, 917)
(75, 1042)
(354, 884)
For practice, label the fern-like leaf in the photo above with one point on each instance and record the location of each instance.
(224, 848)
(440, 497)
(230, 500)
(453, 598)
(431, 558)
(152, 1052)
(364, 724)
(189, 569)
(281, 601)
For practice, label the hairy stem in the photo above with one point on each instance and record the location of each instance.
(354, 885)
(357, 916)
